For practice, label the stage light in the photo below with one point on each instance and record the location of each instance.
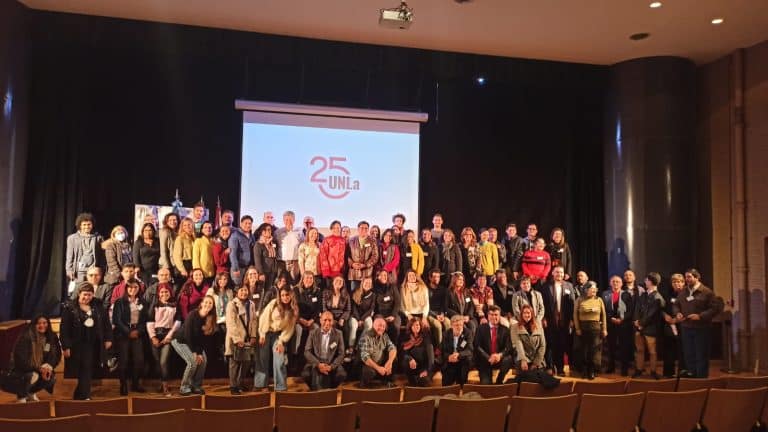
(717, 21)
(480, 80)
(655, 5)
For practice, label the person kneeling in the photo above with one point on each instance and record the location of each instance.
(494, 348)
(418, 354)
(377, 352)
(324, 353)
(457, 352)
(36, 353)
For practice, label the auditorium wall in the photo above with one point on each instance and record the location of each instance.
(126, 111)
(13, 141)
(717, 135)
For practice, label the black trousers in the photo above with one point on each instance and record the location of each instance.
(85, 361)
(27, 388)
(130, 350)
(485, 370)
(368, 374)
(559, 343)
(455, 373)
(317, 381)
(620, 343)
(591, 344)
(671, 351)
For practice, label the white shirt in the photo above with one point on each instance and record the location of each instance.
(326, 338)
(289, 242)
(558, 294)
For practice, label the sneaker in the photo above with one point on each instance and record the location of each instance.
(32, 397)
(235, 391)
(185, 392)
(198, 391)
(21, 400)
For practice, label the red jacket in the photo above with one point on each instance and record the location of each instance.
(190, 297)
(221, 258)
(332, 256)
(536, 265)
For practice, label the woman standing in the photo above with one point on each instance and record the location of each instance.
(242, 327)
(470, 254)
(118, 253)
(192, 293)
(182, 248)
(389, 256)
(35, 356)
(221, 249)
(418, 354)
(202, 251)
(528, 340)
(452, 260)
(163, 321)
(560, 252)
(591, 323)
(332, 254)
(146, 254)
(489, 256)
(276, 326)
(411, 256)
(168, 233)
(189, 345)
(265, 256)
(86, 334)
(309, 251)
(375, 233)
(129, 318)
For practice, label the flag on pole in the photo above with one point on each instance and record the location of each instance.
(217, 223)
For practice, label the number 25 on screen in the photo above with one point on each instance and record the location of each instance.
(333, 185)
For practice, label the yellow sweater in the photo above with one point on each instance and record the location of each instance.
(590, 309)
(202, 256)
(489, 258)
(417, 258)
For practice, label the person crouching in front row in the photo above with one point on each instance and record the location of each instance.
(377, 353)
(35, 355)
(324, 352)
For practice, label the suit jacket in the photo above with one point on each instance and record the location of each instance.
(315, 344)
(567, 300)
(621, 310)
(483, 342)
(648, 310)
(459, 305)
(465, 346)
(502, 297)
(368, 256)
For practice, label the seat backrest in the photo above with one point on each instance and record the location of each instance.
(609, 413)
(78, 423)
(336, 418)
(642, 385)
(146, 405)
(256, 419)
(239, 402)
(416, 393)
(491, 391)
(305, 399)
(600, 388)
(733, 410)
(536, 413)
(29, 410)
(687, 408)
(396, 416)
(349, 394)
(68, 408)
(746, 382)
(167, 421)
(688, 384)
(459, 415)
(528, 389)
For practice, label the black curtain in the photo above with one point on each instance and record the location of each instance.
(125, 112)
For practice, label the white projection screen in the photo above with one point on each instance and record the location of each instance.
(329, 163)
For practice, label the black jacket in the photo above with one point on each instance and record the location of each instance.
(459, 305)
(515, 252)
(121, 317)
(22, 351)
(431, 258)
(561, 256)
(502, 301)
(262, 261)
(483, 343)
(191, 333)
(310, 302)
(437, 299)
(387, 299)
(72, 332)
(450, 259)
(366, 307)
(465, 346)
(648, 310)
(567, 301)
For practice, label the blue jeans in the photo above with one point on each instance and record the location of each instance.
(193, 373)
(271, 362)
(696, 344)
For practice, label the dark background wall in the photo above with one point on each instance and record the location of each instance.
(13, 141)
(125, 112)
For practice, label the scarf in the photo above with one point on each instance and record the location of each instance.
(38, 345)
(413, 341)
(447, 248)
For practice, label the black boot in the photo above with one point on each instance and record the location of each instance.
(136, 386)
(123, 387)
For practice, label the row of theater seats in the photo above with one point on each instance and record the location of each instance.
(719, 410)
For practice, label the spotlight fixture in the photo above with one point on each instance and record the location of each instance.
(639, 36)
(480, 80)
(655, 5)
(717, 21)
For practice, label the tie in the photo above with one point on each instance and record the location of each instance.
(493, 340)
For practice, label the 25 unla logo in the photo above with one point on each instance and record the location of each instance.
(332, 185)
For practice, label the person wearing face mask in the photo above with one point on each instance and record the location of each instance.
(190, 342)
(83, 249)
(35, 356)
(118, 253)
(86, 335)
(163, 320)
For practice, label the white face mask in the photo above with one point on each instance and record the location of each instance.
(120, 236)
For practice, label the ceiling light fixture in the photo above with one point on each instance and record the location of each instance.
(655, 5)
(717, 21)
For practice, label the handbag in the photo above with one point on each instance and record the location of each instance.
(246, 353)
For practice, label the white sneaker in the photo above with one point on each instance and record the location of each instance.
(32, 397)
(21, 400)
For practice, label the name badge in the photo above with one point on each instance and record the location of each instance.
(314, 299)
(47, 347)
(674, 300)
(426, 253)
(510, 292)
(256, 296)
(467, 299)
(367, 245)
(139, 306)
(408, 254)
(88, 322)
(384, 252)
(568, 292)
(332, 345)
(463, 344)
(387, 298)
(689, 298)
(273, 245)
(540, 258)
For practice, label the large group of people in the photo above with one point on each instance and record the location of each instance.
(383, 301)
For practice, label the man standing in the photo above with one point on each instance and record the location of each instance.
(240, 245)
(502, 296)
(324, 353)
(515, 248)
(83, 249)
(309, 223)
(198, 216)
(362, 256)
(558, 319)
(288, 240)
(647, 323)
(457, 352)
(430, 251)
(695, 307)
(494, 348)
(377, 352)
(530, 241)
(437, 228)
(438, 322)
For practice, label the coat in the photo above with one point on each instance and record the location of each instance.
(465, 346)
(451, 260)
(332, 252)
(121, 318)
(239, 329)
(22, 352)
(459, 305)
(74, 253)
(221, 256)
(71, 333)
(202, 256)
(367, 255)
(265, 264)
(167, 238)
(431, 255)
(489, 258)
(648, 311)
(115, 260)
(529, 347)
(412, 257)
(240, 246)
(519, 299)
(182, 251)
(618, 312)
(335, 348)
